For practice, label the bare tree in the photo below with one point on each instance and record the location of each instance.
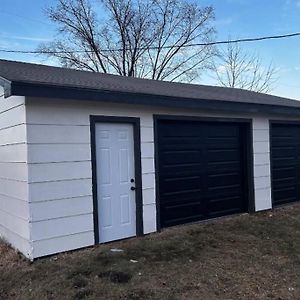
(238, 68)
(141, 38)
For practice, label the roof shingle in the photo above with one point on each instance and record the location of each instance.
(34, 74)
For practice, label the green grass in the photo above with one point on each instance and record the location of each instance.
(242, 257)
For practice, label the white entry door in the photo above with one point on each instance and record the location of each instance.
(115, 181)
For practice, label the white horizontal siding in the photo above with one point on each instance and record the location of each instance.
(47, 153)
(16, 241)
(77, 113)
(9, 103)
(263, 198)
(147, 134)
(262, 171)
(262, 182)
(15, 189)
(13, 135)
(148, 180)
(149, 215)
(47, 210)
(13, 116)
(260, 123)
(67, 144)
(61, 227)
(53, 190)
(149, 196)
(147, 165)
(17, 225)
(147, 150)
(13, 153)
(63, 243)
(57, 134)
(60, 166)
(261, 147)
(14, 207)
(261, 135)
(261, 159)
(59, 171)
(14, 171)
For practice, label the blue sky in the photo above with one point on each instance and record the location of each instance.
(23, 25)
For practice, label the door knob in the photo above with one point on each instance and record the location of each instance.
(133, 188)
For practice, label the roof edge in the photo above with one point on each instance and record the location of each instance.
(73, 93)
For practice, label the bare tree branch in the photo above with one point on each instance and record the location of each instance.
(237, 68)
(139, 30)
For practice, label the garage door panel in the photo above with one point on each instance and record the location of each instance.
(214, 130)
(223, 144)
(285, 158)
(283, 183)
(181, 184)
(179, 143)
(219, 179)
(203, 179)
(219, 208)
(228, 191)
(222, 166)
(178, 158)
(180, 214)
(283, 141)
(232, 155)
(283, 162)
(180, 197)
(283, 172)
(283, 152)
(283, 131)
(285, 192)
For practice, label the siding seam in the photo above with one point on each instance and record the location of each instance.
(59, 199)
(59, 180)
(13, 215)
(9, 196)
(79, 196)
(11, 108)
(60, 236)
(11, 126)
(60, 218)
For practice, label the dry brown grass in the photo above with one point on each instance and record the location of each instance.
(242, 257)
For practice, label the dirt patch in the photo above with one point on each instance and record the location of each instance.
(243, 257)
(116, 277)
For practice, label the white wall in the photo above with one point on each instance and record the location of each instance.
(14, 207)
(60, 174)
(59, 160)
(262, 170)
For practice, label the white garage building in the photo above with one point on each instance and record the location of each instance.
(90, 158)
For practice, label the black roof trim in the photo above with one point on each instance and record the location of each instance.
(34, 80)
(41, 90)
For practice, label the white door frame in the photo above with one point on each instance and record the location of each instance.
(137, 162)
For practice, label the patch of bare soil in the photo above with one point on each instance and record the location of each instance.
(242, 257)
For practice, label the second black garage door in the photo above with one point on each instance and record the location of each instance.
(201, 170)
(285, 162)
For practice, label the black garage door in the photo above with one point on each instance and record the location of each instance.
(285, 162)
(201, 170)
